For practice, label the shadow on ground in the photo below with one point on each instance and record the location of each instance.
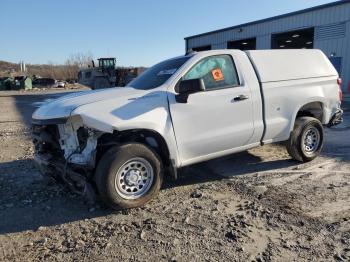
(27, 201)
(245, 163)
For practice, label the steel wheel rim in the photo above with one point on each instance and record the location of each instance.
(311, 140)
(134, 178)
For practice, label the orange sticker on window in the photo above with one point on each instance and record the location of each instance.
(217, 74)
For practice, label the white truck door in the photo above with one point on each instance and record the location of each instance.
(217, 119)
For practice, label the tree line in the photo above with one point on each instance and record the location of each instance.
(67, 71)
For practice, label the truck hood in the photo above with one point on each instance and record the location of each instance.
(64, 106)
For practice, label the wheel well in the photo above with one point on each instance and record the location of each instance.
(144, 136)
(313, 109)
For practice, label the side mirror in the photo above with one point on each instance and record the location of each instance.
(186, 87)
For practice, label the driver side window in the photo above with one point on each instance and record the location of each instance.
(216, 72)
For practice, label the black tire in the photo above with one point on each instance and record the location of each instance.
(115, 160)
(101, 83)
(296, 146)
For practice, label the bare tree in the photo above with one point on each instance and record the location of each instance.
(76, 62)
(68, 71)
(80, 59)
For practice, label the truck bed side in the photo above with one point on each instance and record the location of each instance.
(292, 80)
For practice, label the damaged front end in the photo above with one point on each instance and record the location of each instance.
(66, 150)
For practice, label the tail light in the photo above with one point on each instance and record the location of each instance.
(339, 82)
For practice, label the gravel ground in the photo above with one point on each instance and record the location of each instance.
(253, 206)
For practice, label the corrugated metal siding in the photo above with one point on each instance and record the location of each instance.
(263, 42)
(332, 15)
(332, 32)
(338, 45)
(346, 59)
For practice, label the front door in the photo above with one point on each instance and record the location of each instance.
(218, 119)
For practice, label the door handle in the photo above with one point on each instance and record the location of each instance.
(240, 98)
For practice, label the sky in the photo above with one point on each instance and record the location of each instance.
(137, 33)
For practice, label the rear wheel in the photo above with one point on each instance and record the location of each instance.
(129, 176)
(306, 140)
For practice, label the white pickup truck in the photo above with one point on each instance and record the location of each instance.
(119, 142)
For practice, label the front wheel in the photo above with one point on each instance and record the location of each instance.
(129, 176)
(306, 140)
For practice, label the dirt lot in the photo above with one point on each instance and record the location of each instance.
(254, 206)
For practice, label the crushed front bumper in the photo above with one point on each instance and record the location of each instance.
(60, 171)
(49, 159)
(336, 119)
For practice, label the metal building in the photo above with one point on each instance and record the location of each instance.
(325, 27)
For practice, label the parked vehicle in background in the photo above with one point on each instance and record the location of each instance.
(106, 75)
(182, 111)
(60, 84)
(44, 82)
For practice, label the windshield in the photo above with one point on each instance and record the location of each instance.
(158, 74)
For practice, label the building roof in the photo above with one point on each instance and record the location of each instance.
(341, 2)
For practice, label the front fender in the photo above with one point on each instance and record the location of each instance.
(150, 112)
